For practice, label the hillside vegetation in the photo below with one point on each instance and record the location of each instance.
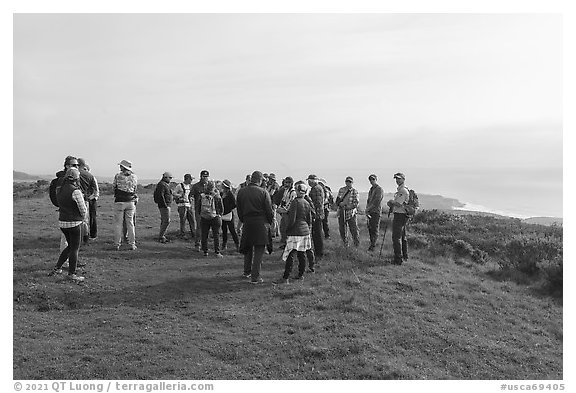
(166, 312)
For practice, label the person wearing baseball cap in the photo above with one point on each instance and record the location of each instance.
(163, 198)
(396, 205)
(347, 203)
(72, 214)
(373, 210)
(229, 204)
(196, 190)
(125, 199)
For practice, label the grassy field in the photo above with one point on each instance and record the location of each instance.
(166, 312)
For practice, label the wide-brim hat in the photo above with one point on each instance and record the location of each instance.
(226, 183)
(125, 164)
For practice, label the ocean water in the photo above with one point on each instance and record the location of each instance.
(517, 192)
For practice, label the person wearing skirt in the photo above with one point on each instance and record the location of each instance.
(298, 242)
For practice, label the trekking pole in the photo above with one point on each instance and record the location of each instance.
(383, 237)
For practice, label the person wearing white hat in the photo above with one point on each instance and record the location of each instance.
(182, 196)
(124, 184)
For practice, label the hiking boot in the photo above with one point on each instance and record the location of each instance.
(405, 258)
(117, 248)
(163, 240)
(197, 248)
(257, 281)
(281, 281)
(224, 247)
(219, 255)
(65, 265)
(133, 247)
(75, 278)
(55, 272)
(246, 275)
(311, 270)
(205, 253)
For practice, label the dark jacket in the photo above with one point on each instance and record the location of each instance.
(299, 217)
(69, 210)
(87, 183)
(254, 201)
(229, 202)
(374, 202)
(165, 193)
(317, 197)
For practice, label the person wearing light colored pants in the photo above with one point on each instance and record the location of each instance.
(124, 212)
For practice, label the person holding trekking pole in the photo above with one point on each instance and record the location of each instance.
(399, 242)
(347, 202)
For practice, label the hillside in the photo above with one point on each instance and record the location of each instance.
(165, 312)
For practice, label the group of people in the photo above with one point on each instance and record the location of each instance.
(207, 206)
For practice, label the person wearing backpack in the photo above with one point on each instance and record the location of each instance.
(347, 202)
(185, 210)
(282, 199)
(72, 214)
(211, 209)
(398, 207)
(55, 184)
(374, 210)
(125, 184)
(229, 204)
(328, 202)
(163, 198)
(317, 196)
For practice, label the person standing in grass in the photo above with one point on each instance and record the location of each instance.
(299, 243)
(72, 214)
(347, 202)
(89, 187)
(197, 189)
(163, 197)
(185, 212)
(211, 209)
(328, 202)
(374, 210)
(282, 199)
(229, 204)
(124, 184)
(317, 197)
(399, 240)
(254, 208)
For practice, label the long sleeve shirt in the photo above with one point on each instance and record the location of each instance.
(400, 198)
(374, 201)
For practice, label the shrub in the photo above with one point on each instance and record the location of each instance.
(526, 252)
(463, 249)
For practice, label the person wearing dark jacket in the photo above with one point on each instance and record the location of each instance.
(72, 213)
(254, 208)
(197, 189)
(317, 197)
(373, 210)
(69, 162)
(89, 187)
(298, 230)
(211, 217)
(229, 203)
(163, 197)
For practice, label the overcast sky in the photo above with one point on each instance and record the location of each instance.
(288, 93)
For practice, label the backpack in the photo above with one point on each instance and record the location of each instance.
(53, 190)
(158, 194)
(412, 205)
(182, 199)
(207, 206)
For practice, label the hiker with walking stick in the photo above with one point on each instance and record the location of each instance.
(347, 202)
